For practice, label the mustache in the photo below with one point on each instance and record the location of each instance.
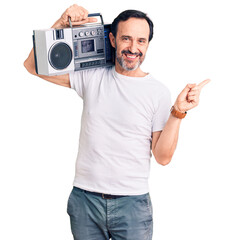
(129, 52)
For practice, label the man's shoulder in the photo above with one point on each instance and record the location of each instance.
(94, 71)
(88, 76)
(158, 85)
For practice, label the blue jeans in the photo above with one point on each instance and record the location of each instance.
(93, 217)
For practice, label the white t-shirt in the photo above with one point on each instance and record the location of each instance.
(119, 115)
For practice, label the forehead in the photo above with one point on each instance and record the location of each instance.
(135, 27)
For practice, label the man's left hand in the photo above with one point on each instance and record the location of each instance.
(189, 97)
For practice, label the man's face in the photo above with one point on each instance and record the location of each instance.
(131, 43)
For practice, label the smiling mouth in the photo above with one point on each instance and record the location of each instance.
(130, 55)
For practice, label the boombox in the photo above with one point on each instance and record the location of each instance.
(59, 51)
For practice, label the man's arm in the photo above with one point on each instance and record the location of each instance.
(164, 143)
(62, 80)
(78, 16)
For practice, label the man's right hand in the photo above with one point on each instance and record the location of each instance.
(78, 15)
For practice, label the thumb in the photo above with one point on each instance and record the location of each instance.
(91, 19)
(185, 91)
(87, 20)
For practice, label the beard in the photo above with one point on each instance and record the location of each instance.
(125, 64)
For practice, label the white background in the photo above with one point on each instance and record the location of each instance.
(39, 125)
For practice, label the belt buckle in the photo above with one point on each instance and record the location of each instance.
(104, 196)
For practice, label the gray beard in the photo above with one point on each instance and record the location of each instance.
(123, 63)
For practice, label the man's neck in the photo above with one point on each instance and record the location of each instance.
(135, 73)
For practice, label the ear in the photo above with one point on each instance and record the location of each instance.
(112, 39)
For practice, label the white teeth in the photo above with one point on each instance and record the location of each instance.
(131, 56)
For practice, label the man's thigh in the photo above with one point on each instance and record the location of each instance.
(87, 216)
(132, 219)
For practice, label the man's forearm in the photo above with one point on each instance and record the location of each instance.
(166, 144)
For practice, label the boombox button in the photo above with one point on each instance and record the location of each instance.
(93, 33)
(81, 34)
(87, 33)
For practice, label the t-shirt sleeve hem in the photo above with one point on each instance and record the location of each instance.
(71, 79)
(158, 129)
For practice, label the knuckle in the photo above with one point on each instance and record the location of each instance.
(68, 12)
(73, 18)
(64, 22)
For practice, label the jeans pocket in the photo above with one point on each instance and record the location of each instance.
(149, 205)
(148, 215)
(69, 203)
(74, 203)
(146, 201)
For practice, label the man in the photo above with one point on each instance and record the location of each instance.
(126, 114)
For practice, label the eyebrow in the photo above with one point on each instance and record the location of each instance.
(123, 36)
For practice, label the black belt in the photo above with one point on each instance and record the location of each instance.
(105, 196)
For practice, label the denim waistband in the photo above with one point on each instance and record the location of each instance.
(103, 195)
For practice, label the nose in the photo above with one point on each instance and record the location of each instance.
(133, 47)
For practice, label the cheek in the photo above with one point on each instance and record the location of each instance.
(144, 49)
(117, 51)
(119, 48)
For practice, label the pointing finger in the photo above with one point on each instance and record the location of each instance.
(202, 84)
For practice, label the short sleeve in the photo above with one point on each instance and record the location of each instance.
(162, 112)
(77, 82)
(80, 81)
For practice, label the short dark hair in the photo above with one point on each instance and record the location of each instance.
(125, 15)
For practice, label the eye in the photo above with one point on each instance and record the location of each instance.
(125, 38)
(142, 41)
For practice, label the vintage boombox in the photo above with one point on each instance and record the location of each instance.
(59, 51)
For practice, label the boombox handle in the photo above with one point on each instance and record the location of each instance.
(90, 15)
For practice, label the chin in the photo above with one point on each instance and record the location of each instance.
(128, 67)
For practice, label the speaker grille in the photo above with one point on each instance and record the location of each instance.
(60, 55)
